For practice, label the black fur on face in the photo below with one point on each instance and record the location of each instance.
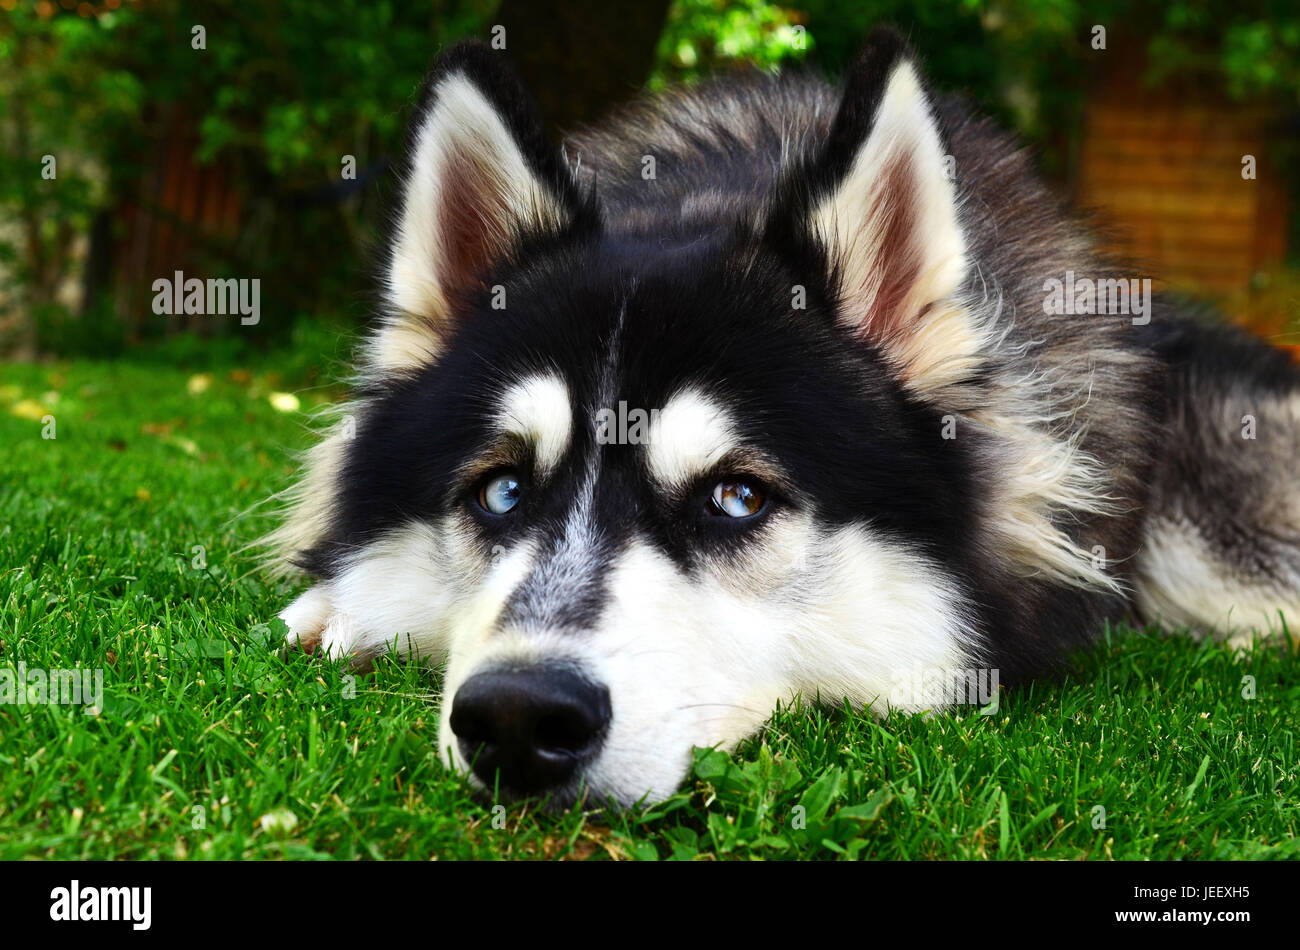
(850, 443)
(635, 314)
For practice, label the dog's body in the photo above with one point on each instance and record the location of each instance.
(750, 395)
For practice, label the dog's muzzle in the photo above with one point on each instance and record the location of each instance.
(533, 728)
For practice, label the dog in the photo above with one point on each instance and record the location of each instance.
(761, 392)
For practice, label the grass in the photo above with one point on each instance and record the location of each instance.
(209, 745)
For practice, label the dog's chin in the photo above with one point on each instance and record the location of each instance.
(591, 798)
(592, 790)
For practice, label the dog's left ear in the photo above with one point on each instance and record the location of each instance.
(480, 177)
(881, 207)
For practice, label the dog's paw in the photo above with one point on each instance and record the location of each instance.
(317, 626)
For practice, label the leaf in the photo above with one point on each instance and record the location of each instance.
(685, 843)
(1004, 823)
(1196, 782)
(870, 809)
(1041, 817)
(817, 800)
(711, 764)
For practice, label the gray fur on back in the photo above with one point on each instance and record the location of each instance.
(1097, 383)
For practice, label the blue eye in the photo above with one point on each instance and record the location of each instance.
(500, 494)
(737, 499)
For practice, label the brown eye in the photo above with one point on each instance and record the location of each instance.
(737, 499)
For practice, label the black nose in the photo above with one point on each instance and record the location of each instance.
(534, 727)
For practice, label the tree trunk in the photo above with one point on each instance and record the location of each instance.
(578, 59)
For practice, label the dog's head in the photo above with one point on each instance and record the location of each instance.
(639, 485)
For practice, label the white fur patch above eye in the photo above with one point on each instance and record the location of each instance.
(538, 410)
(688, 438)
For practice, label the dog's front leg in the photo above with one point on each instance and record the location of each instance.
(314, 624)
(319, 623)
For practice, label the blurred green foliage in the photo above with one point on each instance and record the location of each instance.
(1026, 61)
(1253, 48)
(702, 36)
(278, 94)
(284, 89)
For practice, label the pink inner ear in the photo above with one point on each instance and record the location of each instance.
(471, 215)
(893, 220)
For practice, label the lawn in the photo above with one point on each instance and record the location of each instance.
(119, 550)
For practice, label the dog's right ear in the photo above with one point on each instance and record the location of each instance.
(479, 176)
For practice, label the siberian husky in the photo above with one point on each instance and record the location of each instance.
(765, 390)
